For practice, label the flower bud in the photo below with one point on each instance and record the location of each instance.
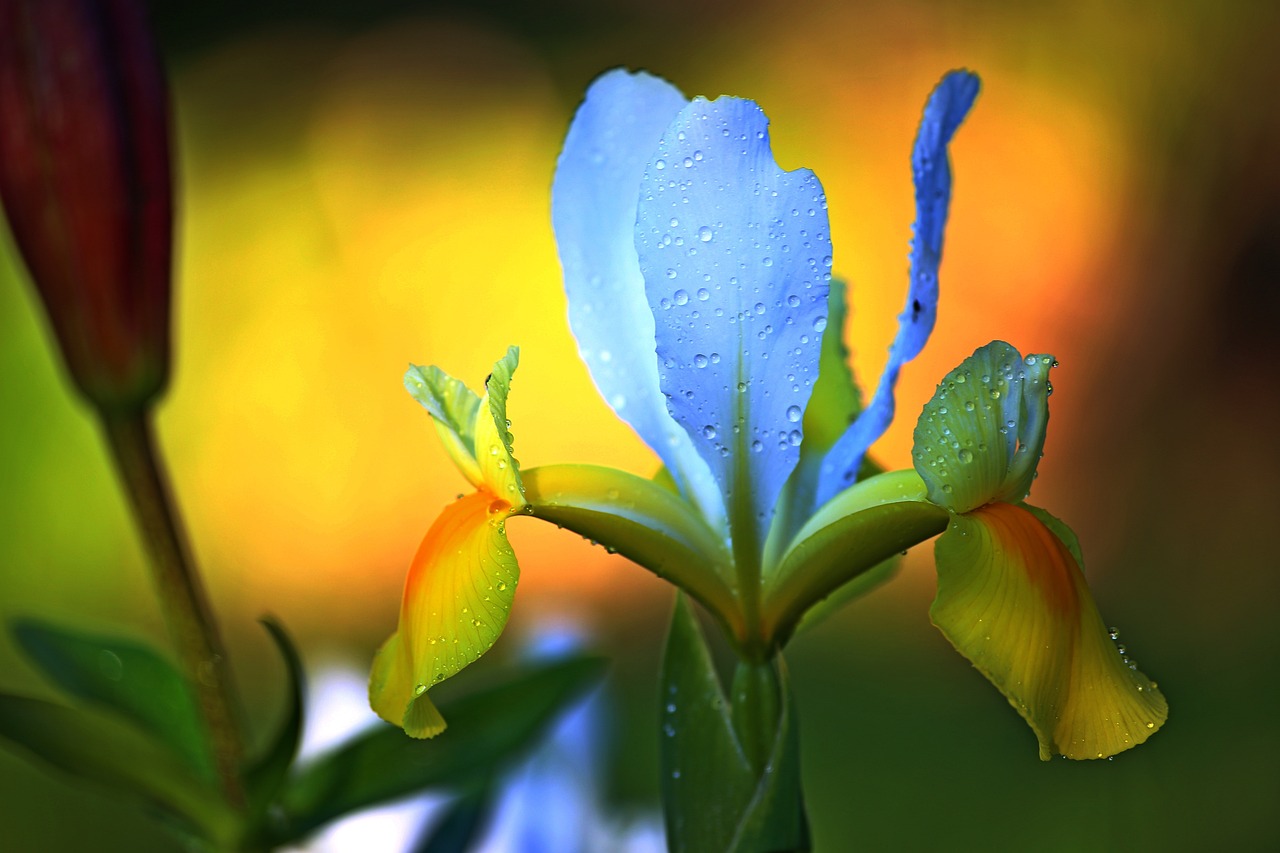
(85, 181)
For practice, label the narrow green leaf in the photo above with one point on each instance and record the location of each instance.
(707, 781)
(459, 829)
(487, 729)
(453, 406)
(127, 679)
(118, 757)
(269, 772)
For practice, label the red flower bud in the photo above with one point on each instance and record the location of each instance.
(85, 181)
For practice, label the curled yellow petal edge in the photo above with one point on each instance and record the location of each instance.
(457, 596)
(1013, 600)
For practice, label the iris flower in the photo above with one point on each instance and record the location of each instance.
(699, 286)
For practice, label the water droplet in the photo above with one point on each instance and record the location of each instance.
(419, 689)
(660, 165)
(767, 261)
(709, 431)
(699, 360)
(681, 297)
(947, 487)
(794, 438)
(757, 446)
(703, 294)
(502, 585)
(966, 456)
(715, 358)
(1114, 633)
(969, 406)
(793, 414)
(671, 273)
(793, 301)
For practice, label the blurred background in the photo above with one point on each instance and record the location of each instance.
(365, 185)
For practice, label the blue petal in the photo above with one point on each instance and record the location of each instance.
(736, 255)
(946, 109)
(593, 210)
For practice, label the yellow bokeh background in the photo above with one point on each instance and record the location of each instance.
(358, 198)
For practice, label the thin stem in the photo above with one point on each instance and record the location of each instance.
(182, 596)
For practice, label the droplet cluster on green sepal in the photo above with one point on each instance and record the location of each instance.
(981, 436)
(477, 439)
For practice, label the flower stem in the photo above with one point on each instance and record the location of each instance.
(186, 608)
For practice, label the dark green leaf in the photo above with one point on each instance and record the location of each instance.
(486, 729)
(118, 757)
(707, 782)
(712, 797)
(466, 818)
(125, 678)
(269, 772)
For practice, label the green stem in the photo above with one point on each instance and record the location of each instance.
(182, 596)
(756, 709)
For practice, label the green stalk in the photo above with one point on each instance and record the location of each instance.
(182, 597)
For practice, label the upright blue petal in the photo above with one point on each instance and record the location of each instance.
(946, 109)
(736, 255)
(593, 210)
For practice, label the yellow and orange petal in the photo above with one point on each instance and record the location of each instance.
(1013, 600)
(456, 601)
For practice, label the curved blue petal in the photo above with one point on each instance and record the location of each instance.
(736, 255)
(593, 210)
(946, 109)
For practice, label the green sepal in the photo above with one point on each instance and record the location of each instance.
(125, 678)
(642, 521)
(453, 407)
(982, 433)
(872, 578)
(121, 759)
(834, 404)
(713, 798)
(488, 729)
(854, 532)
(266, 776)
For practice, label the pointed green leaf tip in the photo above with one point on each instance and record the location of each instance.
(475, 431)
(981, 436)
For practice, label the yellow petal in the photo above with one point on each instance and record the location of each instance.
(456, 600)
(1012, 599)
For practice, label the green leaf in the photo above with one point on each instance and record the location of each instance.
(127, 679)
(707, 781)
(118, 757)
(453, 406)
(642, 521)
(462, 824)
(981, 436)
(854, 532)
(488, 729)
(265, 778)
(713, 798)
